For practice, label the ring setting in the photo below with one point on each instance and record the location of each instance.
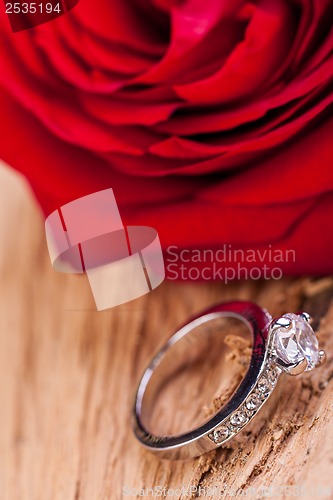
(287, 344)
(295, 344)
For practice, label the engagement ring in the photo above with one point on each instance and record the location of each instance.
(287, 344)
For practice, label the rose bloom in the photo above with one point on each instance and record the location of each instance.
(210, 119)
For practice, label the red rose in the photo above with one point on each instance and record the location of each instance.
(210, 119)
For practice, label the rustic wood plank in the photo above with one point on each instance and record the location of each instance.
(68, 375)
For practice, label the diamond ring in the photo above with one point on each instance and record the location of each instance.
(284, 345)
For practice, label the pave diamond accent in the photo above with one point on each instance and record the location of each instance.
(242, 416)
(220, 434)
(297, 342)
(239, 418)
(264, 386)
(272, 376)
(291, 345)
(252, 402)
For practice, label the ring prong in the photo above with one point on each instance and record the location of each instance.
(293, 368)
(281, 323)
(297, 368)
(306, 317)
(322, 358)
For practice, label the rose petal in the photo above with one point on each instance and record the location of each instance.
(176, 147)
(224, 119)
(122, 24)
(73, 172)
(267, 40)
(192, 24)
(116, 111)
(289, 171)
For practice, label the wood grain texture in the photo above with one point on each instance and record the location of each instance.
(68, 375)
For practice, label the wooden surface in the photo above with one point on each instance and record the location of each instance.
(68, 374)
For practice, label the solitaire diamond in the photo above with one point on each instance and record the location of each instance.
(296, 341)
